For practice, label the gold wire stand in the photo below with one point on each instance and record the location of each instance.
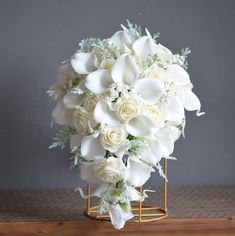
(141, 212)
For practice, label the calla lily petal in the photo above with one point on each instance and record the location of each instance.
(72, 100)
(150, 158)
(118, 216)
(139, 126)
(175, 110)
(177, 74)
(61, 115)
(191, 101)
(144, 47)
(91, 147)
(163, 52)
(98, 81)
(137, 172)
(83, 63)
(125, 70)
(121, 38)
(102, 114)
(149, 90)
(166, 142)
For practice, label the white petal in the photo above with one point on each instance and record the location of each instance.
(121, 38)
(91, 147)
(118, 216)
(140, 126)
(150, 158)
(163, 52)
(125, 70)
(144, 47)
(191, 101)
(61, 115)
(175, 110)
(98, 81)
(133, 194)
(87, 172)
(137, 172)
(102, 114)
(75, 140)
(177, 74)
(83, 63)
(149, 89)
(166, 142)
(72, 100)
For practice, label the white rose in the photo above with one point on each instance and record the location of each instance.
(128, 108)
(110, 170)
(112, 137)
(155, 114)
(80, 120)
(156, 72)
(89, 102)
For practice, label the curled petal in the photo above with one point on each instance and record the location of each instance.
(98, 81)
(125, 70)
(118, 216)
(177, 74)
(175, 110)
(83, 63)
(149, 90)
(61, 115)
(72, 100)
(103, 114)
(91, 147)
(140, 126)
(144, 47)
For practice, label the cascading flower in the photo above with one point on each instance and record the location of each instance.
(123, 102)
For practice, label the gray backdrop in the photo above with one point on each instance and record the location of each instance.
(35, 36)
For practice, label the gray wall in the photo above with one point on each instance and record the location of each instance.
(35, 36)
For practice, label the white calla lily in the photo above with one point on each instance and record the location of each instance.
(140, 125)
(125, 70)
(91, 147)
(118, 216)
(61, 115)
(72, 100)
(103, 114)
(98, 81)
(163, 52)
(166, 141)
(177, 74)
(83, 63)
(150, 157)
(175, 110)
(121, 39)
(149, 90)
(137, 172)
(191, 102)
(144, 47)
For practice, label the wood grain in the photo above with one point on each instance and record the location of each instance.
(178, 227)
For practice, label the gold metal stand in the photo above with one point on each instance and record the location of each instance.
(142, 213)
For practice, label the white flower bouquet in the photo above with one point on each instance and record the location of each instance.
(122, 100)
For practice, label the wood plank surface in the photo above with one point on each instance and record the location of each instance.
(178, 227)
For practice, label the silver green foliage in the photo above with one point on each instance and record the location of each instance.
(62, 137)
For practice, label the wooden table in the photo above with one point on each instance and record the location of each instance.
(192, 211)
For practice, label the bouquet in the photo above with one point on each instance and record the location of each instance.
(122, 101)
